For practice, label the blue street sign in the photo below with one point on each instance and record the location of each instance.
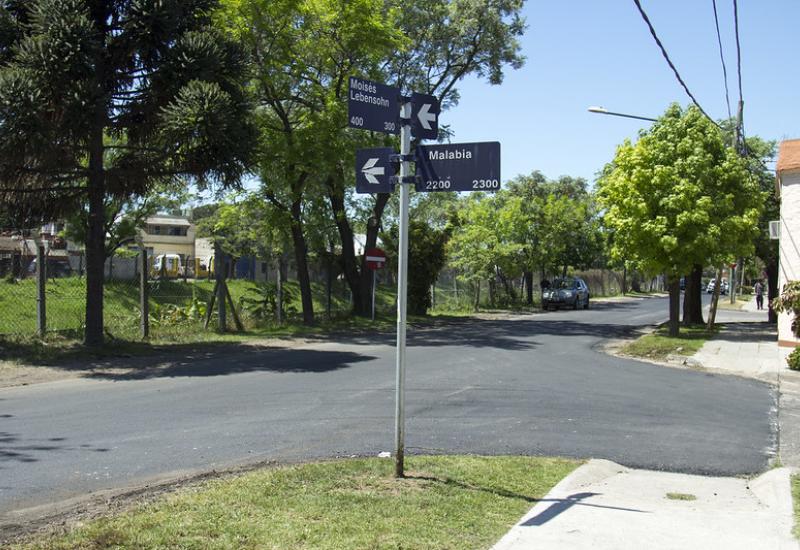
(459, 167)
(425, 111)
(373, 106)
(374, 170)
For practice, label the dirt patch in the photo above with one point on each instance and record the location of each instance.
(12, 374)
(137, 366)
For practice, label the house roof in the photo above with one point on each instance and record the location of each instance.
(789, 156)
(162, 219)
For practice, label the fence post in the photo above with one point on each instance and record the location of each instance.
(219, 273)
(144, 302)
(41, 276)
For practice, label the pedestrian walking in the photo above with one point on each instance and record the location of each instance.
(759, 290)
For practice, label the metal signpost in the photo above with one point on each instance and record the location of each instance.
(375, 259)
(454, 167)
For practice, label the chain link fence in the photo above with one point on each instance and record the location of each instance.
(178, 305)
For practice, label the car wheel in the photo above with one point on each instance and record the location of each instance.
(586, 305)
(575, 303)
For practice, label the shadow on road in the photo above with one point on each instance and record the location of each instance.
(217, 362)
(14, 449)
(512, 333)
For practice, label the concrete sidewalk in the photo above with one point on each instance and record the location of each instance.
(746, 345)
(603, 505)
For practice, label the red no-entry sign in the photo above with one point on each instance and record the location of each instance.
(375, 257)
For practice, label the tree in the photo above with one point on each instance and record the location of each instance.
(107, 98)
(560, 226)
(304, 51)
(426, 258)
(445, 41)
(679, 197)
(766, 248)
(484, 241)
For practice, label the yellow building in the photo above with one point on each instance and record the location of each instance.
(166, 234)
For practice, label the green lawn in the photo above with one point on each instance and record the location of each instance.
(659, 344)
(445, 502)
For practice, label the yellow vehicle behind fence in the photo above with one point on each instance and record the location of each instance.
(167, 265)
(204, 267)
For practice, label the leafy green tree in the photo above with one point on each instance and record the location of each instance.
(561, 227)
(426, 258)
(679, 197)
(108, 98)
(444, 41)
(484, 242)
(304, 51)
(766, 248)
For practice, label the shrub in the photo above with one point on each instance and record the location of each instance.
(794, 359)
(789, 302)
(745, 289)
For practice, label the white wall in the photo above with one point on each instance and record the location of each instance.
(789, 269)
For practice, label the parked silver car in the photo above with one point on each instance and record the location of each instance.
(569, 291)
(723, 289)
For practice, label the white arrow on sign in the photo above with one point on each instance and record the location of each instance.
(425, 116)
(370, 171)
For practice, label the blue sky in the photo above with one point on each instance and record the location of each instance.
(599, 52)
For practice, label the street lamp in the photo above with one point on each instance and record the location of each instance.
(604, 111)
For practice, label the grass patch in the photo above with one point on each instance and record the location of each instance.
(659, 344)
(445, 502)
(681, 496)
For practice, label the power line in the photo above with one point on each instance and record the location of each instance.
(670, 63)
(738, 45)
(722, 59)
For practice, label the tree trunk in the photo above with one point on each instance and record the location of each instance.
(357, 276)
(712, 314)
(95, 244)
(772, 288)
(693, 297)
(624, 280)
(529, 287)
(674, 305)
(477, 295)
(301, 258)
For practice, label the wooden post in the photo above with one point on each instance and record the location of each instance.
(41, 276)
(144, 295)
(219, 272)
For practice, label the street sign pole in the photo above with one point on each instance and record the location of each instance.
(402, 287)
(373, 293)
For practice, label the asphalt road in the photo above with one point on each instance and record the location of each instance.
(530, 385)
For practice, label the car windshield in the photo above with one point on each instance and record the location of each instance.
(564, 283)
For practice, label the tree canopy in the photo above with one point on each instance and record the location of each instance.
(679, 197)
(104, 99)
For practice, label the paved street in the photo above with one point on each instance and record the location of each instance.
(529, 385)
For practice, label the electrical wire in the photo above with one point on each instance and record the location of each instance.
(722, 59)
(738, 46)
(670, 63)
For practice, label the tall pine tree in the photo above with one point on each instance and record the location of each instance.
(104, 99)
